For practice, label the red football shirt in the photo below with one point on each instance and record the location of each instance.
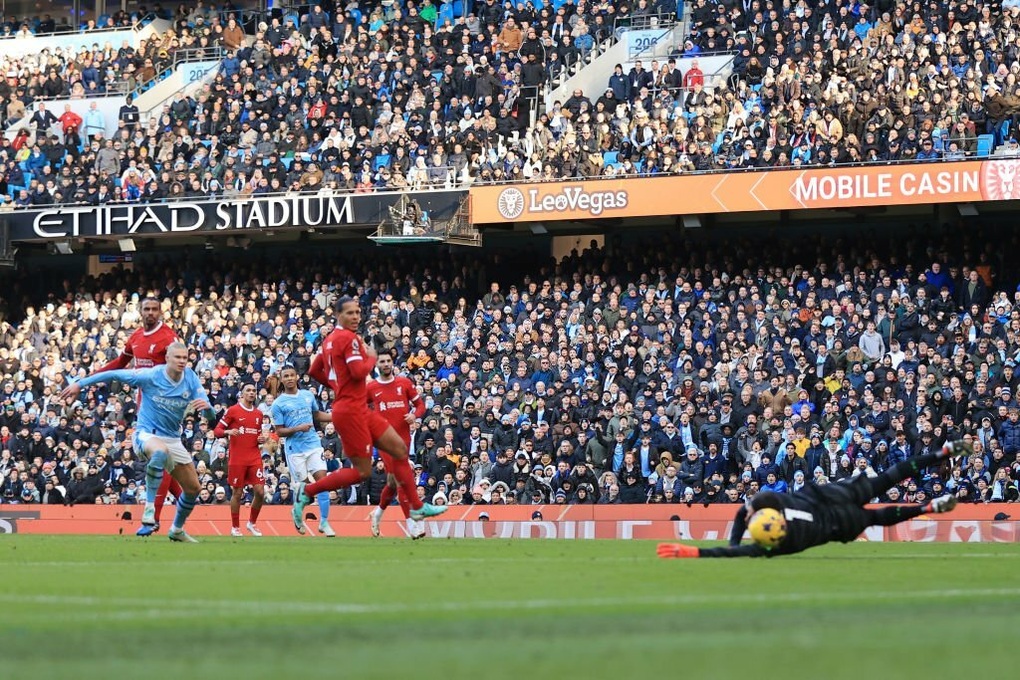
(144, 348)
(244, 448)
(344, 366)
(394, 400)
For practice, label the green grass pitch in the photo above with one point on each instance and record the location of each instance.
(120, 607)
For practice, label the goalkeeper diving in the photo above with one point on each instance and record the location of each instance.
(784, 524)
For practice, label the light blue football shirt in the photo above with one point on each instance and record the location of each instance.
(164, 402)
(291, 410)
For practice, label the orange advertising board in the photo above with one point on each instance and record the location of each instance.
(734, 192)
(572, 522)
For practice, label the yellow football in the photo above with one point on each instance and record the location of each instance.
(767, 527)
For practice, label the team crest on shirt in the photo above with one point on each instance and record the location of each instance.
(399, 391)
(187, 394)
(152, 348)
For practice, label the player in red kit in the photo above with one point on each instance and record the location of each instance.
(146, 347)
(243, 424)
(344, 364)
(397, 400)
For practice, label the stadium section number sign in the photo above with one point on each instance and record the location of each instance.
(829, 188)
(300, 212)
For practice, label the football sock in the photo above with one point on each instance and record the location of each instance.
(405, 479)
(154, 471)
(405, 505)
(168, 485)
(255, 510)
(894, 514)
(342, 478)
(235, 520)
(897, 473)
(322, 498)
(386, 497)
(185, 504)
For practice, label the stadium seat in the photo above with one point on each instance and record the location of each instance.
(445, 14)
(1003, 132)
(381, 161)
(610, 157)
(457, 7)
(985, 144)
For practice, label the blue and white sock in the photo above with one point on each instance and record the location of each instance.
(154, 475)
(323, 498)
(185, 504)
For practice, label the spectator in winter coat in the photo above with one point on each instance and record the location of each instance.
(692, 469)
(503, 470)
(1009, 434)
(634, 489)
(871, 343)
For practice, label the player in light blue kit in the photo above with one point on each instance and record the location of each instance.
(168, 392)
(294, 413)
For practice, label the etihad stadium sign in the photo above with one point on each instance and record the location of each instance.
(193, 217)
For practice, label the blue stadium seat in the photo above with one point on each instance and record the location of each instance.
(446, 13)
(457, 7)
(381, 161)
(985, 144)
(1003, 132)
(611, 157)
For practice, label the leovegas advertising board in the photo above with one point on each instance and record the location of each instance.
(767, 190)
(574, 522)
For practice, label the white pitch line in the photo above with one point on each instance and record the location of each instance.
(154, 609)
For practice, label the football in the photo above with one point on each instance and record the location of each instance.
(767, 527)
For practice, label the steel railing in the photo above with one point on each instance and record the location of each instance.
(137, 25)
(453, 183)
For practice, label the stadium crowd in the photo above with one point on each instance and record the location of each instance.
(391, 96)
(647, 372)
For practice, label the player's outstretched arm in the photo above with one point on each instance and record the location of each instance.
(680, 550)
(323, 416)
(739, 526)
(122, 360)
(130, 377)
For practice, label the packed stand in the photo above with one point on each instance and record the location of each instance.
(64, 155)
(684, 372)
(377, 96)
(812, 85)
